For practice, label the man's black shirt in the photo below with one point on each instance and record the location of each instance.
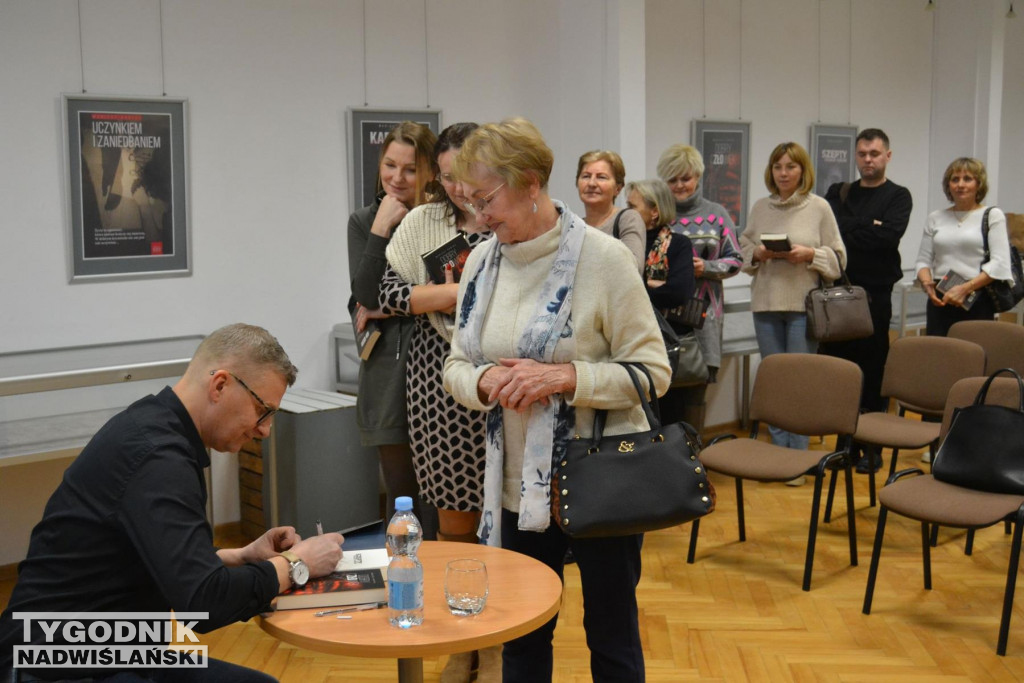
(873, 254)
(126, 531)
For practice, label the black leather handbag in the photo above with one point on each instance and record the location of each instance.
(1005, 295)
(984, 447)
(631, 483)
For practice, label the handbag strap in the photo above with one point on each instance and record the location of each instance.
(983, 392)
(843, 277)
(984, 237)
(601, 414)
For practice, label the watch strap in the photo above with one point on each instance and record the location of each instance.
(290, 556)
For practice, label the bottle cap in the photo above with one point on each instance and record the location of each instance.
(403, 503)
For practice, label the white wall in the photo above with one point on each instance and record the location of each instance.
(269, 83)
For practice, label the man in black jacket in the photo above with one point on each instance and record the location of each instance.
(872, 214)
(126, 533)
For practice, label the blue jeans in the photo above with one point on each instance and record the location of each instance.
(609, 572)
(783, 332)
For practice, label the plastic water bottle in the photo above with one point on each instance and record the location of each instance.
(405, 573)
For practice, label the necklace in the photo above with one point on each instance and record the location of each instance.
(961, 216)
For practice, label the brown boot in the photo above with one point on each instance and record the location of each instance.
(490, 665)
(458, 668)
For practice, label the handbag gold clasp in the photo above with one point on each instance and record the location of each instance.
(626, 446)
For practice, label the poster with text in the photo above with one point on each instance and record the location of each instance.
(724, 146)
(367, 129)
(127, 182)
(832, 152)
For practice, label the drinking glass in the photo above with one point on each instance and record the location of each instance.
(465, 586)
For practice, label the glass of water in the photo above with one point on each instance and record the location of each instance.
(465, 586)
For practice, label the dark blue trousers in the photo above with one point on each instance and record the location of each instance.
(609, 572)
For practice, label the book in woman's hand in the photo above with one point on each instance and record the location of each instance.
(366, 339)
(776, 241)
(454, 252)
(951, 280)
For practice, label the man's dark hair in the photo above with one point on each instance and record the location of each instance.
(870, 134)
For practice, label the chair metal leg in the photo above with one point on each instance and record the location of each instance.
(935, 535)
(740, 518)
(694, 530)
(1011, 585)
(876, 552)
(851, 518)
(1007, 527)
(831, 495)
(892, 461)
(871, 476)
(969, 545)
(812, 532)
(926, 556)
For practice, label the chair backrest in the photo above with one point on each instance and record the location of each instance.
(1003, 391)
(1003, 342)
(920, 371)
(807, 393)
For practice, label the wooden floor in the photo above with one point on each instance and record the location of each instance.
(738, 613)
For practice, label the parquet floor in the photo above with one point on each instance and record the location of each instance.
(738, 613)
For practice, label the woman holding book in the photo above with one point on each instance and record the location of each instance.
(782, 277)
(447, 438)
(600, 176)
(544, 311)
(404, 171)
(668, 276)
(951, 263)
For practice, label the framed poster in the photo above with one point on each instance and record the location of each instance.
(725, 146)
(127, 186)
(832, 153)
(367, 130)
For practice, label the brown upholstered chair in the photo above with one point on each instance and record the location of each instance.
(919, 373)
(1003, 342)
(932, 502)
(802, 393)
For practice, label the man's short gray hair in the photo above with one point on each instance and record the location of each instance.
(248, 346)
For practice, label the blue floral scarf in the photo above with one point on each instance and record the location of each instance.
(548, 427)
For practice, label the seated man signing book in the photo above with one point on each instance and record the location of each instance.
(126, 530)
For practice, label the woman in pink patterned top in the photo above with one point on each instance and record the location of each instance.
(716, 254)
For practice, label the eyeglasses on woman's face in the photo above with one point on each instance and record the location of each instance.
(480, 204)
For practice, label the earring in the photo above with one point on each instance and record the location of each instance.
(535, 207)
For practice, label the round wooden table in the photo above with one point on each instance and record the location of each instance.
(523, 595)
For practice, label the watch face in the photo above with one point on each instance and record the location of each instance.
(300, 573)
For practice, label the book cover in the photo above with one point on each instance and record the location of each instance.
(367, 339)
(455, 252)
(338, 589)
(951, 280)
(776, 241)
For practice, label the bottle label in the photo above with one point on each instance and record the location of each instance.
(405, 595)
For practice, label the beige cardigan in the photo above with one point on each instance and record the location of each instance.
(612, 320)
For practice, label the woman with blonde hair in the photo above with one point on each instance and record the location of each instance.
(781, 279)
(545, 311)
(953, 243)
(404, 172)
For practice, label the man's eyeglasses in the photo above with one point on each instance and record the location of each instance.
(268, 412)
(480, 205)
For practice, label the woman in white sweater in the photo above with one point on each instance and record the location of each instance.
(781, 279)
(953, 243)
(545, 310)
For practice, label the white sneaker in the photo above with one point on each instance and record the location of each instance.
(799, 481)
